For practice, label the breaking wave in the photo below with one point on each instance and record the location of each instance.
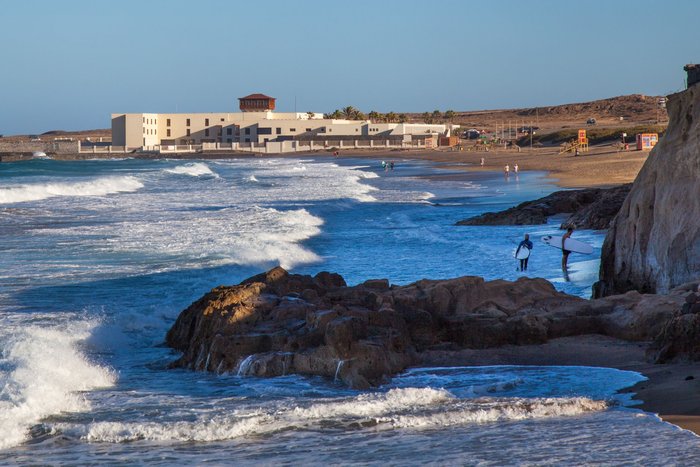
(408, 408)
(47, 371)
(194, 169)
(98, 187)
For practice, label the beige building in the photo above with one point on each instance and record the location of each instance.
(150, 130)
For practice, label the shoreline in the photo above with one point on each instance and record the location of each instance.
(602, 167)
(666, 392)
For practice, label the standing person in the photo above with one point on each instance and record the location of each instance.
(526, 243)
(515, 168)
(482, 161)
(391, 165)
(506, 170)
(564, 251)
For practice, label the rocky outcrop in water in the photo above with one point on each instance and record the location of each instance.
(654, 243)
(590, 208)
(278, 323)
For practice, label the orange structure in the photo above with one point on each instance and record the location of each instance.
(256, 103)
(647, 140)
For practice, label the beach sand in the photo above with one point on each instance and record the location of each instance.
(672, 390)
(602, 166)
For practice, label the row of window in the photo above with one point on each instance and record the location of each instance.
(206, 121)
(149, 121)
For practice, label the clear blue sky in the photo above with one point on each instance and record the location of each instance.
(69, 64)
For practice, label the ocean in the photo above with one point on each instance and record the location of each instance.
(98, 257)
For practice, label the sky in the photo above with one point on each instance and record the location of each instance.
(69, 64)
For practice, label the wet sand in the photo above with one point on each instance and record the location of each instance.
(672, 390)
(602, 166)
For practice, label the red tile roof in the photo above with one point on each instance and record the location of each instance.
(256, 96)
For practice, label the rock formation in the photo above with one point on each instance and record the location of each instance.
(590, 208)
(653, 244)
(278, 323)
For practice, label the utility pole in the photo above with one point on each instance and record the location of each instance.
(531, 135)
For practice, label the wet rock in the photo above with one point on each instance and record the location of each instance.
(590, 208)
(272, 324)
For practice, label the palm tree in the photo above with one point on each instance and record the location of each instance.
(450, 114)
(336, 114)
(391, 117)
(427, 117)
(349, 112)
(373, 115)
(437, 115)
(310, 115)
(403, 118)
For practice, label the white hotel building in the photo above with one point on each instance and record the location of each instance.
(256, 125)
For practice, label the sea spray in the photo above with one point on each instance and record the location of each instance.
(48, 373)
(244, 366)
(337, 370)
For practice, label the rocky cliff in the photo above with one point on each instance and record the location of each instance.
(279, 323)
(653, 244)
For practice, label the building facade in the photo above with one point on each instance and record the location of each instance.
(149, 130)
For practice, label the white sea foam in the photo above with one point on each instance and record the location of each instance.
(407, 408)
(194, 169)
(252, 178)
(48, 371)
(98, 187)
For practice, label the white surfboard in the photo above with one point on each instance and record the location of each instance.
(572, 245)
(523, 253)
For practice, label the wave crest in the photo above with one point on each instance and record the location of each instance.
(194, 169)
(98, 187)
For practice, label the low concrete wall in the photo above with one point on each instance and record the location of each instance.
(49, 147)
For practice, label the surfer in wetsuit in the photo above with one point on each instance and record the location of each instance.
(564, 251)
(526, 243)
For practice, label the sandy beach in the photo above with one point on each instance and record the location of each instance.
(602, 166)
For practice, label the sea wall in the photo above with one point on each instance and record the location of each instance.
(49, 147)
(653, 244)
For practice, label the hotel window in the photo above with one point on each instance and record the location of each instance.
(228, 140)
(229, 131)
(222, 119)
(292, 130)
(168, 122)
(247, 131)
(168, 132)
(308, 129)
(188, 122)
(206, 122)
(264, 131)
(206, 132)
(188, 132)
(279, 131)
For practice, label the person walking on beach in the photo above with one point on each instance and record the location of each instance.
(515, 168)
(391, 165)
(564, 251)
(482, 161)
(506, 170)
(527, 244)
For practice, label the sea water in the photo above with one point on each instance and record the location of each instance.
(97, 258)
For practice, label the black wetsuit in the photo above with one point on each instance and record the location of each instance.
(523, 262)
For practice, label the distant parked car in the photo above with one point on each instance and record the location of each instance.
(472, 133)
(34, 138)
(528, 129)
(591, 121)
